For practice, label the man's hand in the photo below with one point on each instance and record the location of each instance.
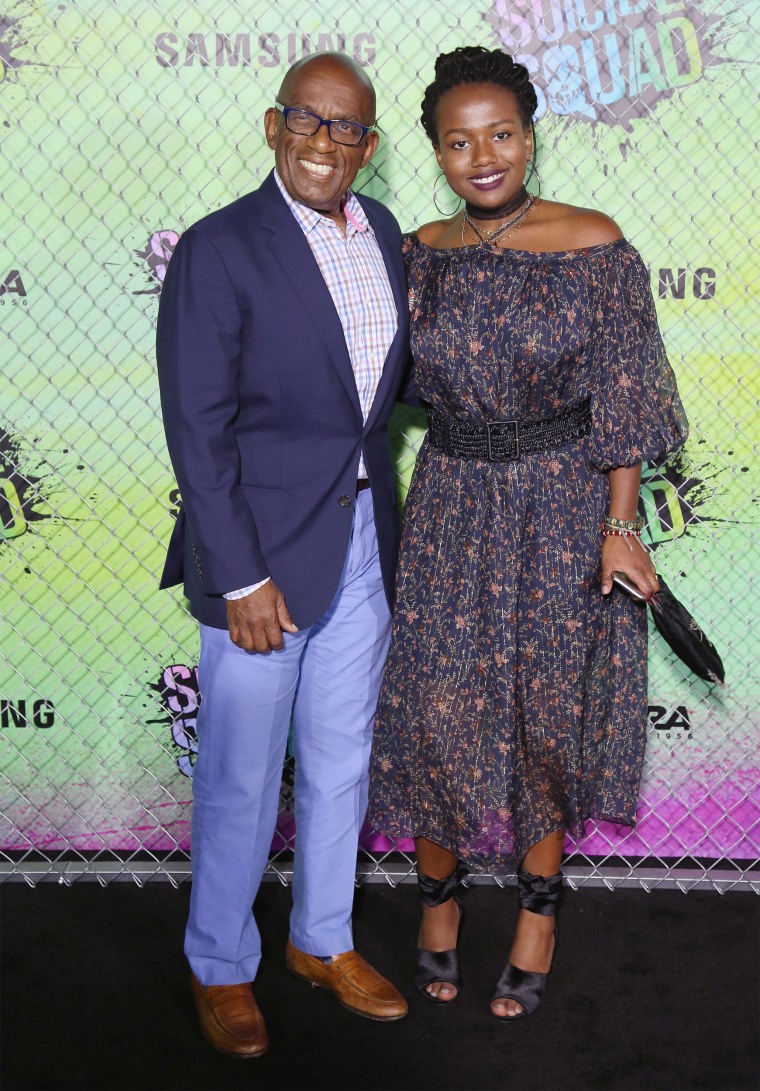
(257, 622)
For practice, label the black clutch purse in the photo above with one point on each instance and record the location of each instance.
(679, 629)
(685, 636)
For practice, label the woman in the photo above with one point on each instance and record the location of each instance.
(514, 702)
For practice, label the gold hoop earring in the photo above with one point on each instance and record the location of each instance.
(454, 211)
(533, 157)
(533, 173)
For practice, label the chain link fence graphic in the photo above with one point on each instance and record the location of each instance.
(124, 123)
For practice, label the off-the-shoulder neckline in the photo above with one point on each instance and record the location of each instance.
(580, 251)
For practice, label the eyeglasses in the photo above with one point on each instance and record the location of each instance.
(305, 124)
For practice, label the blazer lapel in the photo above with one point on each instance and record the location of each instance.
(290, 247)
(394, 265)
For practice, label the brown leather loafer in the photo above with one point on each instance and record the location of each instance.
(354, 983)
(230, 1019)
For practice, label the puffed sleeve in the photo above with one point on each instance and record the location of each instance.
(409, 246)
(636, 413)
(410, 250)
(417, 262)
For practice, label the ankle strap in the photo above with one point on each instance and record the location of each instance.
(538, 893)
(437, 891)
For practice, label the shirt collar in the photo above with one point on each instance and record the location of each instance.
(309, 219)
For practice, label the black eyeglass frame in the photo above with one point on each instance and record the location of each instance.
(328, 121)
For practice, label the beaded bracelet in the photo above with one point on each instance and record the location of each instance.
(635, 525)
(626, 535)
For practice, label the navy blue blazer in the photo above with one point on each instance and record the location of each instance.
(261, 411)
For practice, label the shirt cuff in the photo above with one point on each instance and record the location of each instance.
(243, 591)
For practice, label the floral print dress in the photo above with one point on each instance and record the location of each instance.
(514, 702)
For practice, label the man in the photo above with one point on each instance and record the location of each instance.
(282, 340)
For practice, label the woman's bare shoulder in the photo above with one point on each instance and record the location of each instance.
(437, 233)
(576, 228)
(595, 228)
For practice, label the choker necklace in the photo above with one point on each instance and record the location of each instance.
(490, 238)
(476, 213)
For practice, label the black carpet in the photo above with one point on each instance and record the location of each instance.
(649, 991)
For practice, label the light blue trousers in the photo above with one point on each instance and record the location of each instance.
(326, 679)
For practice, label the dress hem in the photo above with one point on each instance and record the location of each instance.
(479, 866)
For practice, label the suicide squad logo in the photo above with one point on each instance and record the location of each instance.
(608, 60)
(15, 46)
(154, 260)
(180, 697)
(24, 36)
(25, 478)
(37, 477)
(677, 495)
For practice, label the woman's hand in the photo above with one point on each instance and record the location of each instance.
(628, 555)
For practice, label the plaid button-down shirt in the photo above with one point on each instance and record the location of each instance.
(354, 271)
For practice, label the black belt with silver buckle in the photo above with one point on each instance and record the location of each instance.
(507, 440)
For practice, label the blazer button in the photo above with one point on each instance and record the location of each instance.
(345, 501)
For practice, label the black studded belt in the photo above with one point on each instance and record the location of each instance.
(506, 440)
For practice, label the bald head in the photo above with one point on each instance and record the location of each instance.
(330, 67)
(316, 169)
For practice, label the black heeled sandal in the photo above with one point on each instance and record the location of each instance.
(433, 966)
(526, 987)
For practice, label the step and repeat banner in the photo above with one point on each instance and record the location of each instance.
(123, 123)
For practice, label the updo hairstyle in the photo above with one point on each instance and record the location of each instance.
(475, 64)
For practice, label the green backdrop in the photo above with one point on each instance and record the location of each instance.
(121, 124)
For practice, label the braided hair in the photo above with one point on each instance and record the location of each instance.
(475, 64)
